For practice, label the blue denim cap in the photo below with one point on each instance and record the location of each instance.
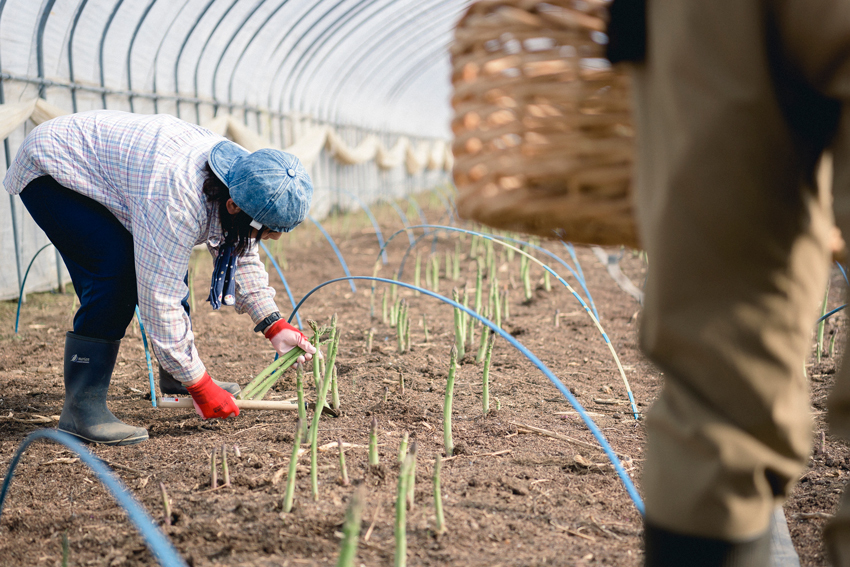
(271, 186)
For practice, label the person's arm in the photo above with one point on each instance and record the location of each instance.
(256, 297)
(162, 257)
(163, 241)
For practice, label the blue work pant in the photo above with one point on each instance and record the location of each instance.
(97, 251)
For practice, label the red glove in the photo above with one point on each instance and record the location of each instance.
(284, 337)
(211, 401)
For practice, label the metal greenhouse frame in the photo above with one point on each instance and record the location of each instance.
(362, 86)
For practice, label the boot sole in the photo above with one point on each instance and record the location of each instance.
(119, 442)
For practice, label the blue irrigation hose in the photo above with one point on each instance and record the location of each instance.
(447, 205)
(23, 283)
(403, 218)
(283, 279)
(833, 312)
(424, 224)
(147, 355)
(579, 278)
(572, 251)
(159, 545)
(375, 224)
(335, 249)
(412, 246)
(419, 211)
(577, 296)
(826, 316)
(609, 452)
(451, 196)
(843, 272)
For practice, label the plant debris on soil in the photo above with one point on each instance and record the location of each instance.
(511, 496)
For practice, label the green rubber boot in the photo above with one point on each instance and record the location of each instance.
(88, 370)
(170, 386)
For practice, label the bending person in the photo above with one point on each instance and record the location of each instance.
(125, 198)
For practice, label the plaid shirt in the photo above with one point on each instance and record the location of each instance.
(148, 170)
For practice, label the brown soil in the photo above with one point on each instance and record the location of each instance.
(510, 498)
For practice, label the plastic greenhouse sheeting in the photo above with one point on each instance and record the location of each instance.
(358, 89)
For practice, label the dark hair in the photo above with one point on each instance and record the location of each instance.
(237, 228)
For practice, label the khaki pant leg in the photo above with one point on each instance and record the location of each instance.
(737, 246)
(816, 36)
(837, 532)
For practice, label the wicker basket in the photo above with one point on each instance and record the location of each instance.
(543, 132)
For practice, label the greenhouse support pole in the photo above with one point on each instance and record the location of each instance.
(183, 46)
(42, 23)
(130, 53)
(102, 45)
(72, 88)
(283, 134)
(363, 179)
(60, 285)
(15, 231)
(12, 208)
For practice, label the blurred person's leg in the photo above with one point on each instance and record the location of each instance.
(98, 253)
(837, 532)
(816, 36)
(736, 235)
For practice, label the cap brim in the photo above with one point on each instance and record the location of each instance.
(222, 157)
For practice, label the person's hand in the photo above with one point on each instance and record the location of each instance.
(284, 337)
(210, 400)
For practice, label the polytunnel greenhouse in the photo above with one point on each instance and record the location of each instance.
(367, 283)
(357, 89)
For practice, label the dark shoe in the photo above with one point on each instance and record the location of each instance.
(170, 386)
(668, 549)
(88, 370)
